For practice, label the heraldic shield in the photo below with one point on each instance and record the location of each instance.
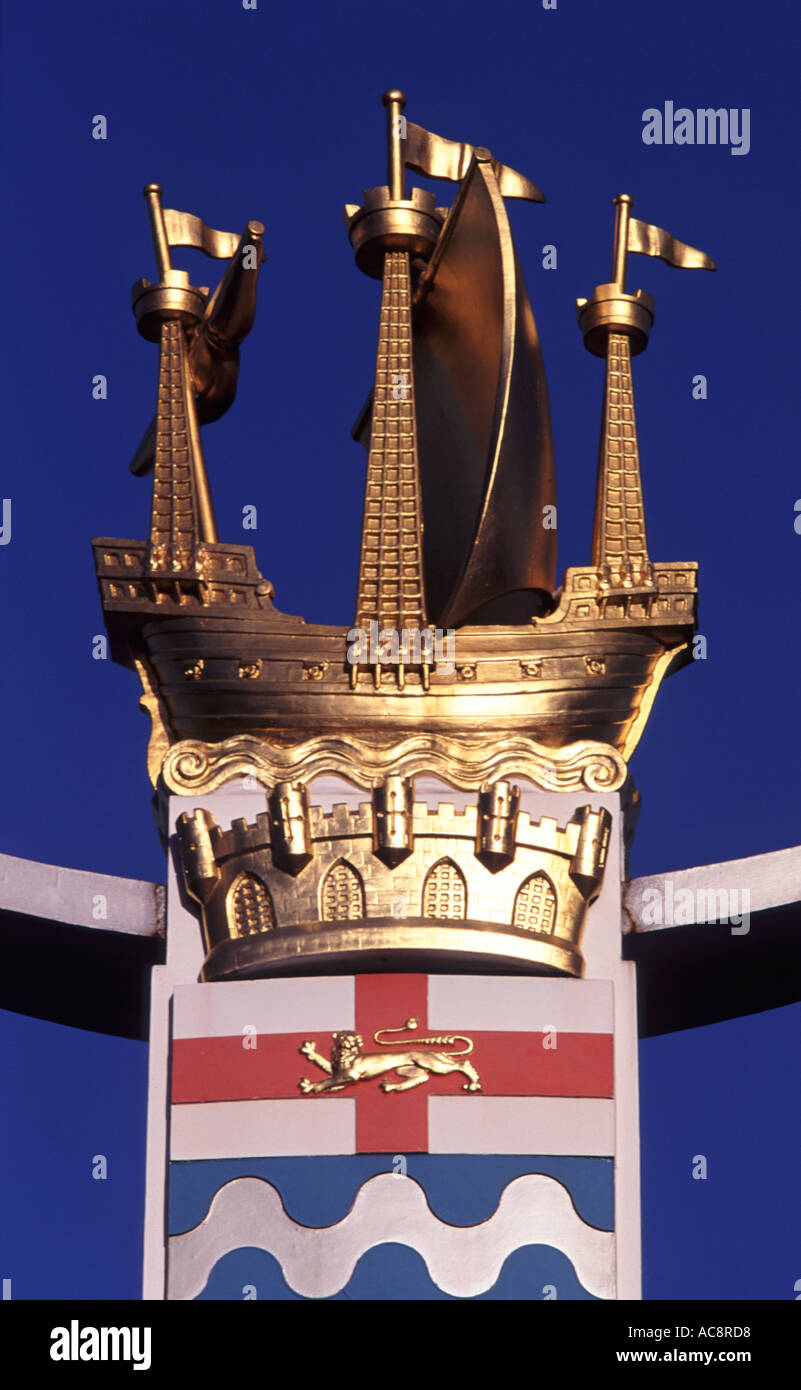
(468, 1156)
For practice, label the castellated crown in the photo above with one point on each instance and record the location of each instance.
(392, 884)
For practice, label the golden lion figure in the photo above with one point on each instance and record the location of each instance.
(349, 1064)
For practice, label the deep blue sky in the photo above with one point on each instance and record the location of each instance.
(275, 114)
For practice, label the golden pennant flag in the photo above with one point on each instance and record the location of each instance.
(436, 158)
(655, 241)
(183, 229)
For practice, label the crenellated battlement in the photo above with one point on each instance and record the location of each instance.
(301, 881)
(341, 822)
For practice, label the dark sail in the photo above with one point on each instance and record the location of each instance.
(484, 428)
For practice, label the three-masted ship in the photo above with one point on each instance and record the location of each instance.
(459, 528)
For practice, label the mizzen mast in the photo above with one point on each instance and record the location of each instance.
(616, 326)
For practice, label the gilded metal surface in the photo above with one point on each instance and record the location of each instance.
(591, 687)
(498, 809)
(410, 146)
(615, 326)
(599, 657)
(150, 703)
(384, 224)
(394, 102)
(182, 513)
(349, 1063)
(290, 833)
(553, 687)
(384, 945)
(487, 464)
(484, 430)
(438, 158)
(524, 899)
(191, 768)
(391, 586)
(216, 327)
(393, 837)
(619, 545)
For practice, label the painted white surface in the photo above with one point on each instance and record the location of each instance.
(153, 1274)
(184, 943)
(263, 1128)
(511, 1004)
(584, 1127)
(771, 880)
(628, 1218)
(225, 1010)
(496, 1003)
(70, 895)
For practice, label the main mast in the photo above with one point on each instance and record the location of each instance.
(386, 233)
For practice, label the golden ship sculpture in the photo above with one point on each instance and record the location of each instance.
(552, 685)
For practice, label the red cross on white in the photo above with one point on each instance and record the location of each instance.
(542, 1048)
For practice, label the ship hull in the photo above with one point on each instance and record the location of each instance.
(591, 686)
(219, 661)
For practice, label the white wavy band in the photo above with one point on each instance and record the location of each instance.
(462, 1260)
